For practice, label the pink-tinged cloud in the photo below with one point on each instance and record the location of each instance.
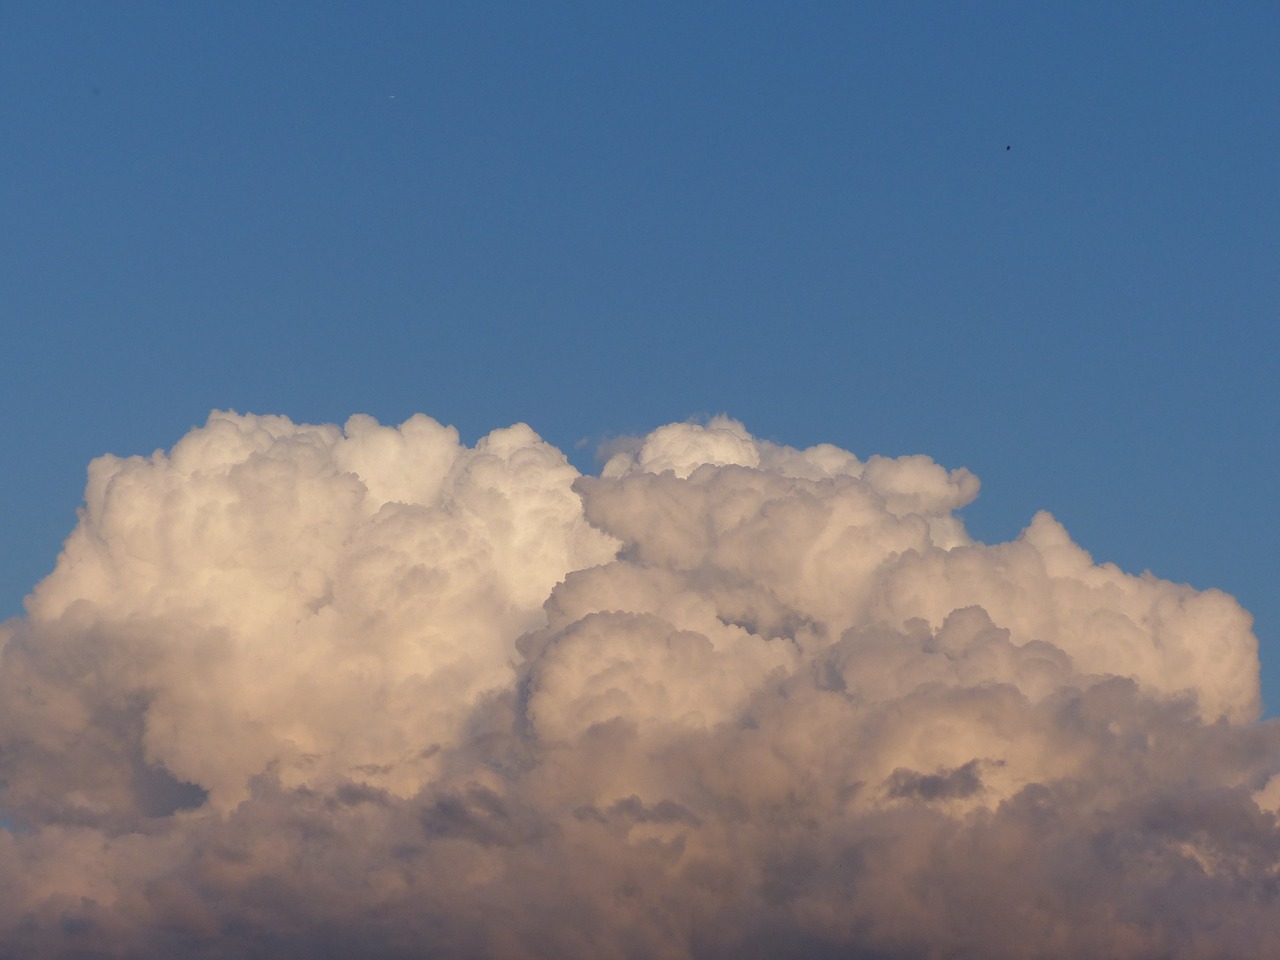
(310, 691)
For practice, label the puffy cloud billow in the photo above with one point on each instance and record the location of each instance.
(310, 691)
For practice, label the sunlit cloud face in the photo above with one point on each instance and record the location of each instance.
(367, 692)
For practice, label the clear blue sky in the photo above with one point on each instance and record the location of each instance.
(1038, 240)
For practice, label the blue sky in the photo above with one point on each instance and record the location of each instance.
(598, 219)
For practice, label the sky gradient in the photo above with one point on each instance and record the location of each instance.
(1036, 243)
(598, 221)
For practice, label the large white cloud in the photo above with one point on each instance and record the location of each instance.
(365, 691)
(306, 600)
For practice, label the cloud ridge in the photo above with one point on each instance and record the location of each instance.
(366, 691)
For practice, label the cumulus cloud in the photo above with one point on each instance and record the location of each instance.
(365, 691)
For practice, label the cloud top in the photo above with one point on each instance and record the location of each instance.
(299, 690)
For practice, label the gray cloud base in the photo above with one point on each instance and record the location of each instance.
(310, 691)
